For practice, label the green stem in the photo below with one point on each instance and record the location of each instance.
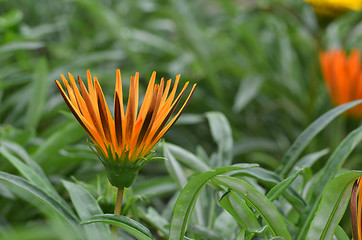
(117, 210)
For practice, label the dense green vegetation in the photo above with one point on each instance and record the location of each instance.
(256, 64)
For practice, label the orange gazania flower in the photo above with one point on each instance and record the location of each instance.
(356, 209)
(343, 77)
(124, 141)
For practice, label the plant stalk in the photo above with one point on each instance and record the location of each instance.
(117, 210)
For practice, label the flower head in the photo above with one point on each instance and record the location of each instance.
(335, 7)
(123, 141)
(356, 209)
(343, 77)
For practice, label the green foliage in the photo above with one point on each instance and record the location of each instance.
(132, 227)
(259, 153)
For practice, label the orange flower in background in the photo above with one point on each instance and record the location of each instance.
(124, 141)
(356, 209)
(343, 77)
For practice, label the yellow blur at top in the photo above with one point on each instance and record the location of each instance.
(335, 7)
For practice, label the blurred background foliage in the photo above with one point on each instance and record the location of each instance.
(255, 62)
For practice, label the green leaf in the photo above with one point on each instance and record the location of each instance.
(188, 158)
(332, 206)
(224, 225)
(335, 162)
(240, 211)
(41, 195)
(39, 90)
(309, 159)
(340, 234)
(248, 89)
(277, 190)
(10, 18)
(308, 134)
(210, 234)
(221, 133)
(177, 173)
(155, 188)
(260, 203)
(69, 134)
(174, 167)
(154, 219)
(188, 197)
(127, 224)
(86, 206)
(328, 172)
(14, 46)
(22, 153)
(27, 172)
(31, 170)
(271, 179)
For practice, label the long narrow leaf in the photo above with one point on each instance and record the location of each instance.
(340, 234)
(188, 158)
(174, 167)
(188, 197)
(39, 90)
(221, 133)
(332, 206)
(277, 190)
(86, 206)
(271, 179)
(127, 224)
(333, 164)
(31, 170)
(240, 211)
(26, 171)
(176, 171)
(308, 134)
(42, 195)
(59, 139)
(260, 203)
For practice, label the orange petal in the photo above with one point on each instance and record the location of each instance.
(163, 131)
